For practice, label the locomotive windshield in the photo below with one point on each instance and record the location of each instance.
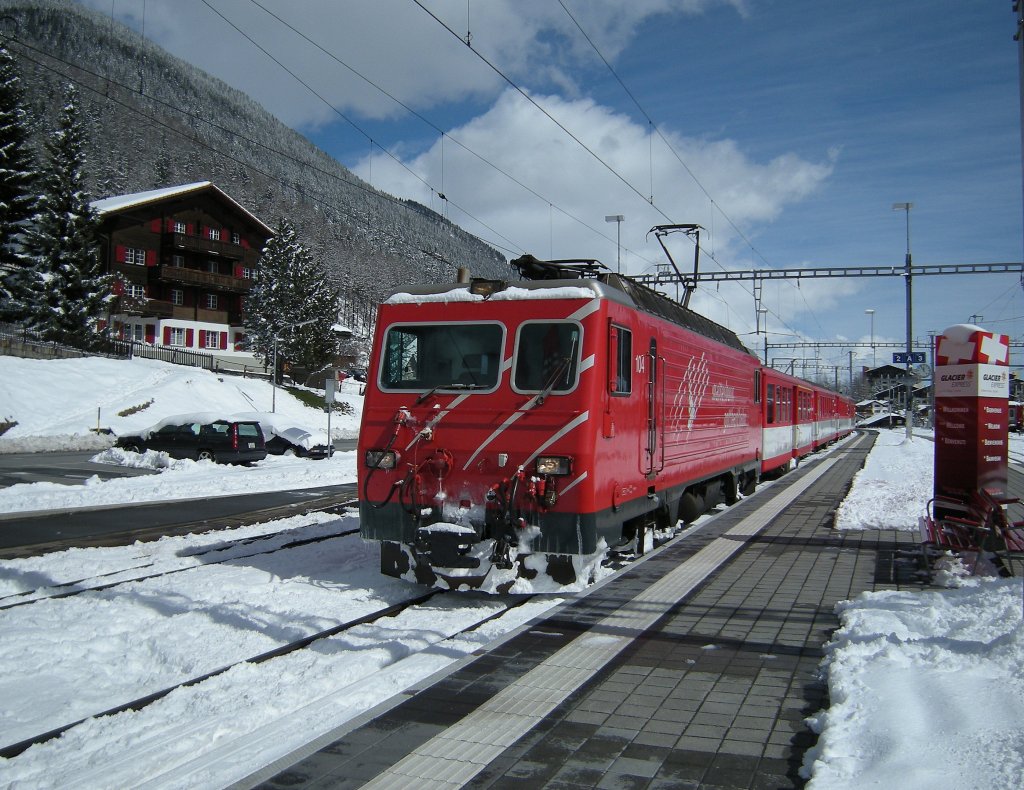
(435, 356)
(547, 355)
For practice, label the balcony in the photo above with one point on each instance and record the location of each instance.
(149, 308)
(223, 249)
(206, 280)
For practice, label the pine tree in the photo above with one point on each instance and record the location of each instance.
(62, 244)
(291, 288)
(18, 177)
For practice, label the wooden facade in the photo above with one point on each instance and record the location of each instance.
(185, 258)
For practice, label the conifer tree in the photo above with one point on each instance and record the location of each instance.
(291, 287)
(62, 244)
(18, 177)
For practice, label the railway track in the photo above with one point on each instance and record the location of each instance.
(416, 636)
(15, 749)
(330, 503)
(230, 550)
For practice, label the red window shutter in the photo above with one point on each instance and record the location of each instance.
(202, 338)
(154, 225)
(238, 270)
(223, 341)
(167, 335)
(225, 234)
(190, 230)
(169, 225)
(118, 287)
(188, 337)
(150, 333)
(239, 341)
(245, 242)
(101, 324)
(119, 253)
(151, 257)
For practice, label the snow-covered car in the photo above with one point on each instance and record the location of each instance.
(201, 436)
(285, 437)
(299, 441)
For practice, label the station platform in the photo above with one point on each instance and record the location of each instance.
(694, 667)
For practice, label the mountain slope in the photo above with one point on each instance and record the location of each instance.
(154, 121)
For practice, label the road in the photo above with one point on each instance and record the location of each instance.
(24, 535)
(67, 468)
(74, 468)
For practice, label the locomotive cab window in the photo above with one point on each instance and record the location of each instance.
(440, 356)
(547, 356)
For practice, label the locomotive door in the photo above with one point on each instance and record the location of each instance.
(654, 446)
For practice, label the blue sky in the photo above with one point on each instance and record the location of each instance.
(787, 128)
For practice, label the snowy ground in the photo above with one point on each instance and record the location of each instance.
(925, 688)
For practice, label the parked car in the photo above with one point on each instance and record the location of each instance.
(201, 436)
(284, 437)
(300, 442)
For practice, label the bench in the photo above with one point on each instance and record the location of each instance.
(980, 526)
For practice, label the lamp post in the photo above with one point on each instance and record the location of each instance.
(871, 312)
(908, 272)
(617, 219)
(273, 380)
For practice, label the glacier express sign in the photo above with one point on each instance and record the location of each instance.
(972, 388)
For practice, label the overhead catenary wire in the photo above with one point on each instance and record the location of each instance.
(155, 122)
(570, 134)
(668, 144)
(434, 126)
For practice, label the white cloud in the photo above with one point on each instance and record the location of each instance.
(394, 43)
(558, 208)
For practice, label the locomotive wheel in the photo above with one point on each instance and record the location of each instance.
(560, 568)
(731, 489)
(691, 507)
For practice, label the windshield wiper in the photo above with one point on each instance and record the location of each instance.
(453, 386)
(555, 375)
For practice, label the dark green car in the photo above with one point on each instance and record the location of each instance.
(223, 441)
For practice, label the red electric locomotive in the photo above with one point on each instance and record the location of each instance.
(510, 428)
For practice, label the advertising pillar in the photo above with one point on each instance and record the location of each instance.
(972, 388)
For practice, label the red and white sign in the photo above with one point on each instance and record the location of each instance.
(972, 386)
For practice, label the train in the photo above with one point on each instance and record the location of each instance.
(513, 428)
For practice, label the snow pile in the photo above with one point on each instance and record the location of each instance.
(893, 488)
(926, 688)
(58, 403)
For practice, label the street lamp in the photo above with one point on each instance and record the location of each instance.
(874, 360)
(617, 219)
(905, 207)
(273, 380)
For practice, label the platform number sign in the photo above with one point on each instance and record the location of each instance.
(905, 357)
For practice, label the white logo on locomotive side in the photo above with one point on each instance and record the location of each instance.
(691, 391)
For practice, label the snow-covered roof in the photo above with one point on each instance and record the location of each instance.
(118, 203)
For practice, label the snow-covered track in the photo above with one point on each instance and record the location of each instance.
(15, 749)
(96, 583)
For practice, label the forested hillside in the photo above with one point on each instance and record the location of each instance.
(154, 121)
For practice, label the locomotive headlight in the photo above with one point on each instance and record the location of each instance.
(381, 459)
(486, 288)
(554, 465)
